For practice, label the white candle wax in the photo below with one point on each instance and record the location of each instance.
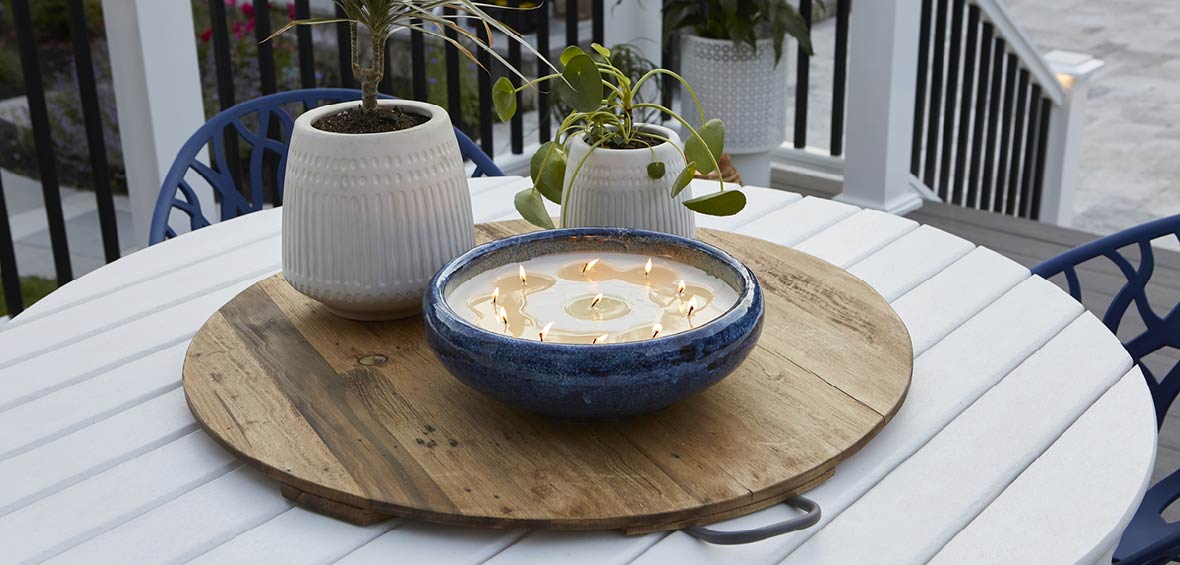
(584, 300)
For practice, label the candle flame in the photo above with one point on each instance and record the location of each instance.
(589, 265)
(523, 278)
(680, 286)
(600, 339)
(503, 315)
(647, 268)
(692, 305)
(655, 330)
(597, 299)
(495, 297)
(544, 331)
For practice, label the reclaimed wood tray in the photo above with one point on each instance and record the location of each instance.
(361, 422)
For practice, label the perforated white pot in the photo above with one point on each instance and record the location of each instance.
(741, 86)
(369, 218)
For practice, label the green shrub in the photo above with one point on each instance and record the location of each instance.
(33, 289)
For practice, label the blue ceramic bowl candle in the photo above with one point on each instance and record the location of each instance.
(658, 343)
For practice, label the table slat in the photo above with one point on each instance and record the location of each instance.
(912, 258)
(295, 537)
(855, 237)
(1064, 482)
(419, 542)
(965, 466)
(799, 221)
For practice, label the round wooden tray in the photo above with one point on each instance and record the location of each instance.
(361, 422)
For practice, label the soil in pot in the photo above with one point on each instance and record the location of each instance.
(381, 121)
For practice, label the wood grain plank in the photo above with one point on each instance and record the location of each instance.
(597, 471)
(944, 486)
(1068, 477)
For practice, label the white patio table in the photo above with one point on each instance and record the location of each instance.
(1027, 435)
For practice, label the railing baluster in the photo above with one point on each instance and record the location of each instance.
(993, 119)
(516, 125)
(42, 140)
(386, 84)
(485, 97)
(1031, 147)
(936, 90)
(971, 199)
(952, 85)
(598, 21)
(543, 111)
(1046, 115)
(306, 48)
(266, 56)
(802, 77)
(843, 7)
(454, 86)
(9, 277)
(224, 69)
(956, 192)
(1012, 63)
(95, 143)
(418, 63)
(343, 50)
(1010, 207)
(571, 22)
(920, 88)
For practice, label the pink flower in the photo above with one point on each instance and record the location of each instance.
(231, 3)
(207, 34)
(291, 11)
(248, 9)
(237, 29)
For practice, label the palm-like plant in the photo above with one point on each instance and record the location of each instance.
(383, 18)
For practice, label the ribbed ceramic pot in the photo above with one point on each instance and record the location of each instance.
(369, 218)
(613, 189)
(741, 86)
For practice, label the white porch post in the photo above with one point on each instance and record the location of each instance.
(882, 71)
(157, 93)
(1074, 71)
(637, 22)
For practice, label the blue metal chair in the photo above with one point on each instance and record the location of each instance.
(270, 113)
(1148, 538)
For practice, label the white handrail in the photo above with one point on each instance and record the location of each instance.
(1024, 49)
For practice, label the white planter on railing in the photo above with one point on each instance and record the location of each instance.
(741, 86)
(613, 189)
(369, 218)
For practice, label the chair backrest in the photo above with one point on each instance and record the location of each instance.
(264, 124)
(1152, 332)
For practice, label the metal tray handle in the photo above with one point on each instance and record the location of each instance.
(810, 517)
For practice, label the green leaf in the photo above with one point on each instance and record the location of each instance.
(532, 208)
(655, 169)
(601, 50)
(683, 179)
(697, 152)
(581, 84)
(569, 53)
(549, 174)
(725, 203)
(504, 98)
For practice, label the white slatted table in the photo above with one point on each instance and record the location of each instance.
(1027, 435)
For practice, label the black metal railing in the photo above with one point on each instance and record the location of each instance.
(980, 120)
(227, 89)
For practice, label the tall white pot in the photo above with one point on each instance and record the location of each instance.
(741, 86)
(369, 218)
(613, 189)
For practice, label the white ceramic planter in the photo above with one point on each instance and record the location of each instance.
(741, 86)
(613, 189)
(369, 218)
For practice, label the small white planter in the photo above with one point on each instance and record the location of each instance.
(741, 86)
(369, 218)
(613, 189)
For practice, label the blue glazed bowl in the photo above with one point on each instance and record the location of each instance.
(590, 382)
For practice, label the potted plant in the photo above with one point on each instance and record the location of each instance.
(376, 198)
(731, 52)
(607, 169)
